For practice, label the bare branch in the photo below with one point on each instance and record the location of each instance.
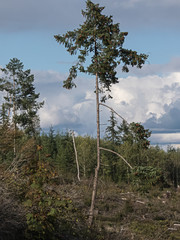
(108, 150)
(114, 112)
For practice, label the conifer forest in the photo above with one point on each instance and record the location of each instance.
(60, 185)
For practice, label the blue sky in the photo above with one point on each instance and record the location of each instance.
(150, 95)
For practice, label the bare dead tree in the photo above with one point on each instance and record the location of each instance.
(75, 150)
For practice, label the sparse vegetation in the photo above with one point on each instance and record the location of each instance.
(41, 197)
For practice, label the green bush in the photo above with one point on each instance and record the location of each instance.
(144, 177)
(43, 206)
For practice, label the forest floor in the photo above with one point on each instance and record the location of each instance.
(121, 213)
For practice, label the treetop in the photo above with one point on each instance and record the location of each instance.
(100, 39)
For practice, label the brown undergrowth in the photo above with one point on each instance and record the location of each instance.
(120, 212)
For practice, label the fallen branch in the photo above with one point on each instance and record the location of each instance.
(108, 150)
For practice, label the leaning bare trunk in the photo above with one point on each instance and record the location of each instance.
(75, 150)
(91, 212)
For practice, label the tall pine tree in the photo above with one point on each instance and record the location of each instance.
(100, 39)
(27, 103)
(20, 100)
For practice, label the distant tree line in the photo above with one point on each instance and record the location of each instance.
(19, 122)
(150, 163)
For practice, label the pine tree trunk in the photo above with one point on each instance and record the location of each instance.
(94, 191)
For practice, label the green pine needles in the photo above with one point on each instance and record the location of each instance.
(20, 105)
(99, 38)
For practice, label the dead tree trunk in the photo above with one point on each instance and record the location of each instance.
(77, 163)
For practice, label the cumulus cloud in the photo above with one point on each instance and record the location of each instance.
(169, 121)
(65, 109)
(140, 98)
(152, 100)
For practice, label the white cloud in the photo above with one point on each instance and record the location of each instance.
(150, 99)
(137, 98)
(121, 95)
(55, 115)
(49, 116)
(161, 138)
(73, 109)
(89, 95)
